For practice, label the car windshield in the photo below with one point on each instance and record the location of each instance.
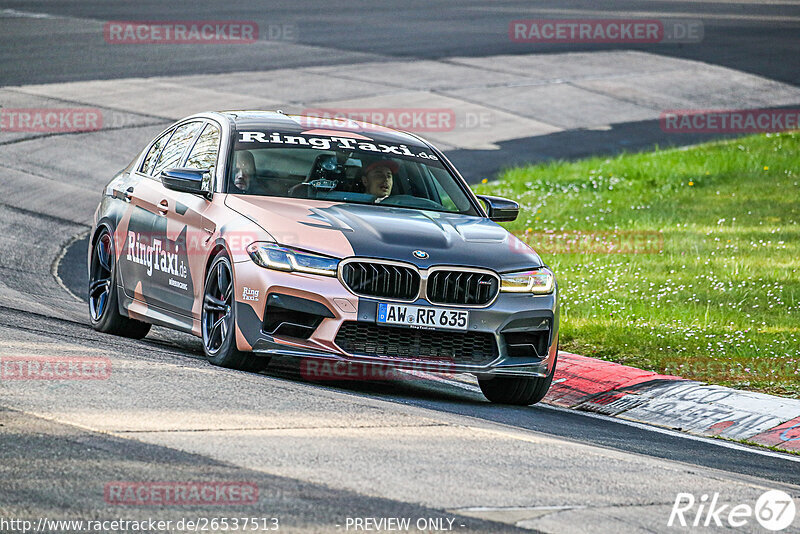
(409, 177)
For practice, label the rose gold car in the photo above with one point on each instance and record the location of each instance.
(265, 233)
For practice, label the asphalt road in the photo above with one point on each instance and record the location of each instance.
(47, 42)
(318, 452)
(756, 37)
(454, 398)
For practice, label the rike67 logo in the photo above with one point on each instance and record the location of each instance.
(775, 511)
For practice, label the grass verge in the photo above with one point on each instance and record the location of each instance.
(682, 261)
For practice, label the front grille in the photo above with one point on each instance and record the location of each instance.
(475, 348)
(462, 287)
(381, 280)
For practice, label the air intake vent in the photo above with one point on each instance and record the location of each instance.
(462, 287)
(383, 280)
(359, 338)
(290, 316)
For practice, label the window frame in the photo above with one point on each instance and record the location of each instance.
(206, 124)
(227, 137)
(185, 152)
(168, 133)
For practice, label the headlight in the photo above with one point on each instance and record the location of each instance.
(274, 256)
(538, 281)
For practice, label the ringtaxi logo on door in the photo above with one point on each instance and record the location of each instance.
(774, 510)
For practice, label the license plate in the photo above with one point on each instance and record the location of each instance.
(423, 317)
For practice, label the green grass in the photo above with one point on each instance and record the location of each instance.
(719, 301)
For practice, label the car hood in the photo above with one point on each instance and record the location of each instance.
(345, 230)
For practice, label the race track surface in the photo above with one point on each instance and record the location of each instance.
(321, 453)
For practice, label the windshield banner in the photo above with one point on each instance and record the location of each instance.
(344, 141)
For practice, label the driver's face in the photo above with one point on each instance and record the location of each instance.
(241, 177)
(378, 181)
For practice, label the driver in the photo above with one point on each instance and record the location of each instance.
(244, 174)
(378, 178)
(244, 168)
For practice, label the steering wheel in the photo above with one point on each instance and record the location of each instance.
(325, 175)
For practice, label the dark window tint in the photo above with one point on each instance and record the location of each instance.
(152, 154)
(205, 150)
(348, 175)
(171, 156)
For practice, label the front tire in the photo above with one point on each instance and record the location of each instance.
(103, 298)
(219, 320)
(520, 391)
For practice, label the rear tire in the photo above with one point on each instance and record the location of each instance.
(520, 391)
(103, 298)
(218, 320)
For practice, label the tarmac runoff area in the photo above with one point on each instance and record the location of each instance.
(416, 448)
(486, 113)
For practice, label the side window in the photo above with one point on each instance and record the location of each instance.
(152, 155)
(171, 156)
(205, 150)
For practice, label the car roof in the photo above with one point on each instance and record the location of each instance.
(309, 125)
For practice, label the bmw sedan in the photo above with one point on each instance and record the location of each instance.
(327, 240)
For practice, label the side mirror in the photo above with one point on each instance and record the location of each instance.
(500, 209)
(197, 181)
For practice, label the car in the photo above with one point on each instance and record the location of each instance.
(268, 234)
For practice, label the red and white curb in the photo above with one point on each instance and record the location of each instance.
(608, 388)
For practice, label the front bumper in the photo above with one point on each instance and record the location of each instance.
(524, 327)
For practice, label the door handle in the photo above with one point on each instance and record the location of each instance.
(163, 207)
